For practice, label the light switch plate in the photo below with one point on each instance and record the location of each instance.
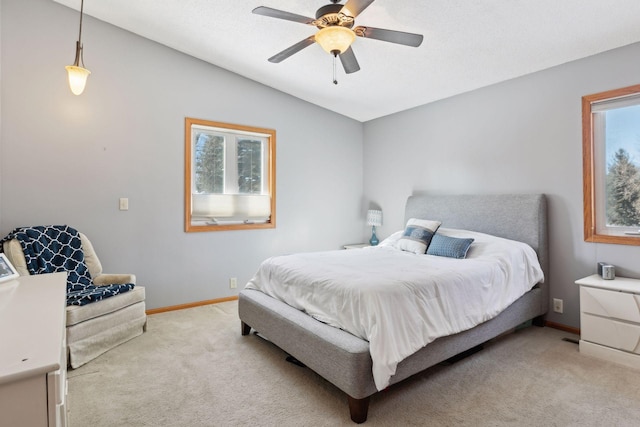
(124, 204)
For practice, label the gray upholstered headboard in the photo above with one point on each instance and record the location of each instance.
(521, 217)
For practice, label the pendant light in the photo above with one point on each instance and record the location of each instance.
(78, 74)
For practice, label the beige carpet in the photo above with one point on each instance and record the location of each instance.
(193, 368)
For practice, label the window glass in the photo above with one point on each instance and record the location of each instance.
(622, 166)
(209, 163)
(250, 159)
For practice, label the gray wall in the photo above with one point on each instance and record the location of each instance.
(523, 135)
(67, 159)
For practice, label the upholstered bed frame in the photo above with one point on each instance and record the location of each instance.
(344, 360)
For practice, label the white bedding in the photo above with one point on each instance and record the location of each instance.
(400, 301)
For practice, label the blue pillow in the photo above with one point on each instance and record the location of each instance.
(452, 247)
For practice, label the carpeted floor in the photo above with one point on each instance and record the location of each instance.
(193, 368)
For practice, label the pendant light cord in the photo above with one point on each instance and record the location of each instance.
(80, 55)
(81, 13)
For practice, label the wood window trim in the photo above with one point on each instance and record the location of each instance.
(188, 225)
(588, 171)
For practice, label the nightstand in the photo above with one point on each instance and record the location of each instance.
(610, 319)
(356, 246)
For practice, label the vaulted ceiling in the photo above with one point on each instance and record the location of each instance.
(467, 44)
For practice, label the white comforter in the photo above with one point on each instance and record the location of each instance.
(400, 301)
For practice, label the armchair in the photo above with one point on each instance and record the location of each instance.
(95, 328)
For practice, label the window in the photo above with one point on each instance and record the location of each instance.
(229, 176)
(611, 166)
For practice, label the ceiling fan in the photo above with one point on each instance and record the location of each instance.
(336, 33)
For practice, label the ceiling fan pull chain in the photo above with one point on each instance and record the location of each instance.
(335, 81)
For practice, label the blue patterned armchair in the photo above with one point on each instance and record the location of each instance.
(95, 328)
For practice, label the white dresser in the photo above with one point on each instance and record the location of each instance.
(33, 366)
(610, 319)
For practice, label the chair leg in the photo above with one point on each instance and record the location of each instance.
(246, 329)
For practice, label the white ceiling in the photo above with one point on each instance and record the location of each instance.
(467, 44)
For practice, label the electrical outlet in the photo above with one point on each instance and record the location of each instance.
(233, 283)
(557, 305)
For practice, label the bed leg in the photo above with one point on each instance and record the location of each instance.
(358, 409)
(246, 329)
(538, 321)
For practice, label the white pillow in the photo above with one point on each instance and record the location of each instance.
(392, 240)
(417, 235)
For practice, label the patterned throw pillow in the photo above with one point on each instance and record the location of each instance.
(417, 235)
(452, 247)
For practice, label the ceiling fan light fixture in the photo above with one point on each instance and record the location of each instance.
(335, 38)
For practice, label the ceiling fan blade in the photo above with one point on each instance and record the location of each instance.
(349, 61)
(353, 8)
(279, 57)
(399, 37)
(281, 14)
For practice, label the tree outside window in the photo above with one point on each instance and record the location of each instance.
(209, 163)
(623, 191)
(249, 166)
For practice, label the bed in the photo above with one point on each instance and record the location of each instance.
(345, 360)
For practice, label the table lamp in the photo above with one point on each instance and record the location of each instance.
(374, 219)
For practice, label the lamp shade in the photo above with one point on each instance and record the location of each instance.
(335, 38)
(77, 78)
(374, 217)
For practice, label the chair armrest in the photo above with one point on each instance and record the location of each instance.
(109, 279)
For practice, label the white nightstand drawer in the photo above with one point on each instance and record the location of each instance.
(609, 332)
(618, 305)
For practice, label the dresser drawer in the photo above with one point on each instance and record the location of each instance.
(617, 305)
(610, 332)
